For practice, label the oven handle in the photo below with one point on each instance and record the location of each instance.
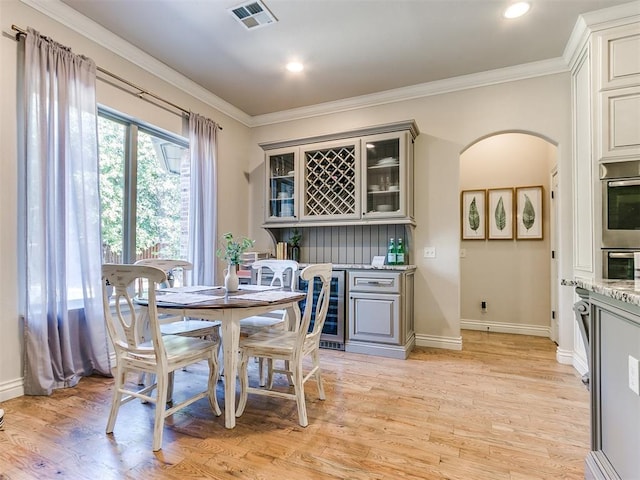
(620, 254)
(624, 183)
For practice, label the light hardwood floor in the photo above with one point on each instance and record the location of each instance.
(502, 408)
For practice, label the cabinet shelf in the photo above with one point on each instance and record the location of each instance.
(282, 177)
(378, 167)
(384, 192)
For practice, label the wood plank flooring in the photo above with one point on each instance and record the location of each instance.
(502, 408)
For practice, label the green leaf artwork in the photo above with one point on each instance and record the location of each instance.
(528, 213)
(474, 216)
(500, 215)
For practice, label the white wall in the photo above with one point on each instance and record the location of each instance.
(449, 123)
(512, 276)
(233, 185)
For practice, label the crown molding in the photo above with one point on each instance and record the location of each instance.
(73, 20)
(613, 16)
(586, 23)
(590, 22)
(454, 84)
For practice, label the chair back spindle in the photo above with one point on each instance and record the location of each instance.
(126, 329)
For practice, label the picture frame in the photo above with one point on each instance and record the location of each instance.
(529, 213)
(500, 213)
(473, 222)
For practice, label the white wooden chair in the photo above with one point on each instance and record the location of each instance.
(187, 327)
(284, 275)
(161, 356)
(290, 346)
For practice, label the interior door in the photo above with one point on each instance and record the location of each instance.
(555, 281)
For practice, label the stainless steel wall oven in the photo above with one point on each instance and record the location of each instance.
(617, 264)
(620, 204)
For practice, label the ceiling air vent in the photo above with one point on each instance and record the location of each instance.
(253, 14)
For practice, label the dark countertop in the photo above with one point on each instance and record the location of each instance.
(627, 291)
(360, 266)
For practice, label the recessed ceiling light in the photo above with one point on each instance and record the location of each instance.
(517, 10)
(295, 67)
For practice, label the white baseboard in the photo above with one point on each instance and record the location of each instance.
(565, 357)
(580, 363)
(11, 389)
(517, 329)
(448, 343)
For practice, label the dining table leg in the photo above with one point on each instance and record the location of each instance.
(230, 344)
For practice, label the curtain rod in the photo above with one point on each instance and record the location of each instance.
(141, 91)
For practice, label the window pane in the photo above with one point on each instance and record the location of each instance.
(161, 216)
(111, 137)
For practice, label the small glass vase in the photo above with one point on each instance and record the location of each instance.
(295, 253)
(231, 281)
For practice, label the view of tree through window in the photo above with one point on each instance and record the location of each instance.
(144, 197)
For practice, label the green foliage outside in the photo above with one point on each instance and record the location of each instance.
(158, 213)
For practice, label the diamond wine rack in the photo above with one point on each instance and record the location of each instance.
(330, 180)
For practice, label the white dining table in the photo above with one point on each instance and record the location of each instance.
(229, 309)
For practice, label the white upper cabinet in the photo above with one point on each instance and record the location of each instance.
(618, 50)
(358, 177)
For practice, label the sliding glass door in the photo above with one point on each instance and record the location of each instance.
(144, 190)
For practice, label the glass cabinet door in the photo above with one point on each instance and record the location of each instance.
(281, 185)
(384, 176)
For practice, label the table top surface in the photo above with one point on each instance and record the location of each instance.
(212, 297)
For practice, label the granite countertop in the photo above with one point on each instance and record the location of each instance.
(627, 291)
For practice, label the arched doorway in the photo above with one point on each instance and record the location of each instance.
(510, 277)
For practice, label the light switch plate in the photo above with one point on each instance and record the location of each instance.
(634, 375)
(429, 252)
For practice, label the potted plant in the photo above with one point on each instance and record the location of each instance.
(231, 251)
(294, 241)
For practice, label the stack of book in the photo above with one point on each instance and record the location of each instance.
(281, 251)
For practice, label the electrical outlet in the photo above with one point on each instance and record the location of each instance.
(483, 306)
(634, 375)
(429, 252)
(463, 253)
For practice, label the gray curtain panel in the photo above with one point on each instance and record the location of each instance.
(65, 335)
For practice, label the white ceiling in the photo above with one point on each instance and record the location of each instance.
(349, 47)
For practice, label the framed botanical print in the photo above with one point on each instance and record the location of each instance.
(500, 213)
(529, 213)
(473, 214)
